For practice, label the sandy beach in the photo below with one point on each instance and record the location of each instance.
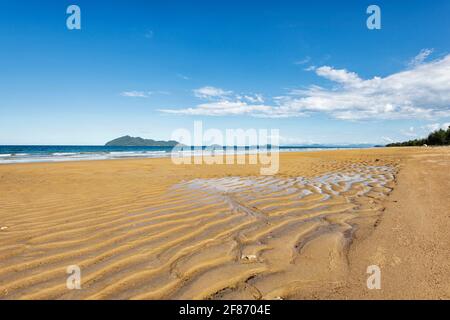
(149, 229)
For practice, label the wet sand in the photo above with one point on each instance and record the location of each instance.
(149, 229)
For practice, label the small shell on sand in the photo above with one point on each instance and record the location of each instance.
(250, 257)
(3, 228)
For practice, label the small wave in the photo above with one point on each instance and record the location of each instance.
(64, 153)
(6, 158)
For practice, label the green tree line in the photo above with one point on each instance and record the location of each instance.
(439, 137)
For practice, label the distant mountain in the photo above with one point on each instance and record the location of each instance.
(127, 141)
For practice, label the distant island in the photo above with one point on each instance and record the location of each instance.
(436, 138)
(127, 141)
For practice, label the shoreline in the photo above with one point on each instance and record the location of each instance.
(156, 154)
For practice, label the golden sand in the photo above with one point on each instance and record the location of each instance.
(149, 229)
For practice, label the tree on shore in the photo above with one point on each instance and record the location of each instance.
(439, 137)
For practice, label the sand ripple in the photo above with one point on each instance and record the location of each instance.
(230, 237)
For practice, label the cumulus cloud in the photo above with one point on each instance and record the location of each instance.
(220, 102)
(341, 76)
(421, 92)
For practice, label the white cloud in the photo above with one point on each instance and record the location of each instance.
(257, 98)
(222, 103)
(142, 94)
(340, 76)
(420, 58)
(135, 94)
(221, 108)
(387, 139)
(422, 92)
(210, 92)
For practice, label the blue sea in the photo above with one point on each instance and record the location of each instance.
(24, 154)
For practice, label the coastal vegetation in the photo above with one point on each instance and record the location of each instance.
(439, 137)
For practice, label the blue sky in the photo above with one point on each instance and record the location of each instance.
(145, 68)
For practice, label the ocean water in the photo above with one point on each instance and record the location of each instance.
(25, 154)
